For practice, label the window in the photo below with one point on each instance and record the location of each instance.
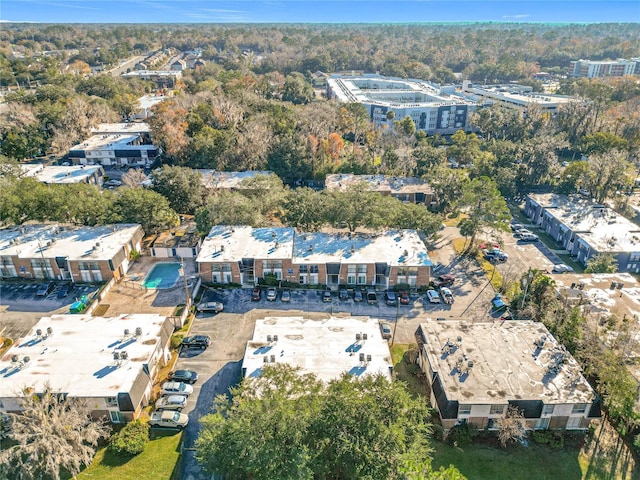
(579, 408)
(464, 410)
(547, 410)
(304, 269)
(116, 417)
(313, 268)
(543, 423)
(496, 410)
(111, 401)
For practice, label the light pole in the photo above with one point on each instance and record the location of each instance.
(527, 282)
(395, 325)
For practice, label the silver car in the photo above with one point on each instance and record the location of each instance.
(171, 402)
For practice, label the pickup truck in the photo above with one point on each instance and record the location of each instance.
(169, 419)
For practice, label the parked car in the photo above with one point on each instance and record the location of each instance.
(112, 183)
(256, 295)
(585, 192)
(285, 296)
(444, 281)
(65, 289)
(498, 304)
(372, 297)
(520, 233)
(272, 294)
(171, 402)
(196, 341)
(184, 376)
(436, 266)
(561, 268)
(447, 295)
(169, 419)
(390, 298)
(405, 299)
(385, 329)
(433, 296)
(215, 307)
(326, 296)
(357, 295)
(44, 289)
(343, 294)
(496, 255)
(529, 237)
(176, 388)
(516, 226)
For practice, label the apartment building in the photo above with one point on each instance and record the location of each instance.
(477, 370)
(111, 362)
(61, 252)
(599, 68)
(405, 189)
(585, 228)
(244, 255)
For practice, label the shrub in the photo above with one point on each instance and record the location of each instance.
(131, 440)
(176, 340)
(460, 435)
(553, 439)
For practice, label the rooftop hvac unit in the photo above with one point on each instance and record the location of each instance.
(266, 359)
(275, 338)
(358, 337)
(124, 355)
(49, 331)
(138, 331)
(364, 336)
(222, 248)
(368, 358)
(25, 360)
(273, 358)
(126, 332)
(14, 359)
(269, 338)
(361, 357)
(116, 355)
(39, 332)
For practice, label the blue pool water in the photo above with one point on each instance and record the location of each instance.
(162, 275)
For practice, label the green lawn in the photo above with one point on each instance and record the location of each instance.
(158, 461)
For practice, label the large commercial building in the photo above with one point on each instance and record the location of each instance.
(326, 348)
(244, 255)
(477, 370)
(405, 189)
(599, 68)
(518, 96)
(433, 109)
(586, 229)
(124, 144)
(111, 362)
(57, 252)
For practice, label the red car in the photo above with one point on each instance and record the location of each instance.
(404, 298)
(256, 295)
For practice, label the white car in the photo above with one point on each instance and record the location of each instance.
(176, 388)
(171, 402)
(433, 296)
(562, 268)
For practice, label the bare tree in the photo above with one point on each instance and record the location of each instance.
(133, 178)
(512, 427)
(52, 435)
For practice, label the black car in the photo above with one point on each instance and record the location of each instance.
(196, 341)
(343, 294)
(390, 298)
(357, 296)
(184, 376)
(65, 290)
(326, 296)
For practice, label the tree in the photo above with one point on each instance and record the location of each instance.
(602, 263)
(146, 207)
(406, 126)
(297, 90)
(229, 208)
(266, 192)
(484, 205)
(134, 177)
(287, 425)
(181, 186)
(52, 435)
(602, 142)
(609, 172)
(512, 427)
(305, 209)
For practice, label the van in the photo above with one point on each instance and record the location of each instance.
(433, 296)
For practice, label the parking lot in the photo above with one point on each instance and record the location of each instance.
(21, 308)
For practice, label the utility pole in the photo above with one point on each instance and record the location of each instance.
(395, 325)
(186, 288)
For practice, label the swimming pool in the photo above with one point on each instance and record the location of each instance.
(163, 275)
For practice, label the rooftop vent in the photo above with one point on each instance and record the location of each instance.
(311, 248)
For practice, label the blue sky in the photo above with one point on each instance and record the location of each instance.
(311, 11)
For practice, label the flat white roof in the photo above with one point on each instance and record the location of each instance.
(77, 358)
(601, 227)
(227, 180)
(122, 128)
(394, 247)
(232, 243)
(507, 365)
(56, 174)
(147, 101)
(327, 348)
(153, 73)
(516, 95)
(379, 183)
(73, 243)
